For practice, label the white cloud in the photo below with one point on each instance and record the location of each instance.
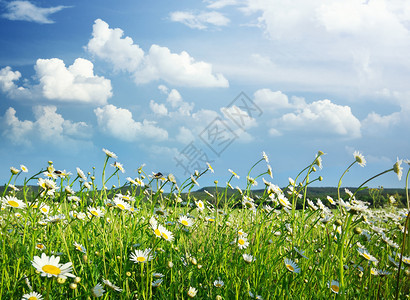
(119, 123)
(158, 109)
(376, 124)
(174, 98)
(109, 44)
(26, 11)
(217, 4)
(163, 89)
(49, 126)
(241, 117)
(185, 135)
(270, 100)
(158, 64)
(200, 20)
(75, 83)
(321, 118)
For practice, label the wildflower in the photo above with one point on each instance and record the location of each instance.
(194, 181)
(398, 169)
(233, 173)
(119, 166)
(109, 153)
(96, 212)
(291, 266)
(111, 285)
(334, 286)
(156, 283)
(184, 220)
(80, 247)
(330, 199)
(14, 171)
(248, 258)
(49, 266)
(208, 193)
(284, 201)
(200, 205)
(40, 246)
(81, 174)
(121, 204)
(270, 171)
(192, 292)
(359, 158)
(218, 283)
(98, 290)
(265, 157)
(167, 235)
(32, 296)
(210, 167)
(243, 242)
(12, 201)
(318, 161)
(44, 208)
(363, 252)
(13, 187)
(141, 256)
(157, 275)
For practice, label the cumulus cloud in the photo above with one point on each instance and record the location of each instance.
(321, 118)
(77, 83)
(158, 64)
(26, 11)
(49, 126)
(199, 20)
(185, 135)
(158, 109)
(217, 4)
(119, 123)
(270, 100)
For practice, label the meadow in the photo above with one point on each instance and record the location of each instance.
(76, 238)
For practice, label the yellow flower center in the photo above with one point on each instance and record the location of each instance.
(141, 259)
(95, 213)
(184, 222)
(44, 209)
(218, 285)
(121, 206)
(33, 298)
(211, 220)
(50, 269)
(164, 236)
(335, 288)
(366, 256)
(40, 246)
(241, 241)
(13, 203)
(290, 268)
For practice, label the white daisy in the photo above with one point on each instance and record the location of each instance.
(184, 220)
(291, 266)
(111, 285)
(12, 201)
(359, 158)
(32, 296)
(109, 153)
(98, 290)
(140, 256)
(49, 266)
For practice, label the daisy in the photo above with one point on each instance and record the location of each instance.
(218, 283)
(157, 275)
(109, 153)
(359, 158)
(291, 266)
(80, 247)
(49, 266)
(363, 252)
(284, 201)
(265, 157)
(13, 202)
(194, 181)
(44, 208)
(243, 242)
(184, 220)
(167, 235)
(334, 286)
(140, 256)
(81, 174)
(398, 169)
(330, 199)
(40, 246)
(119, 166)
(156, 283)
(23, 168)
(192, 292)
(210, 167)
(98, 290)
(270, 171)
(121, 204)
(200, 205)
(14, 171)
(96, 212)
(233, 173)
(111, 285)
(248, 258)
(32, 296)
(300, 252)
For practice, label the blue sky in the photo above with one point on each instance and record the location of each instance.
(153, 80)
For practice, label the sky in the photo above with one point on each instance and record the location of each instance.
(176, 84)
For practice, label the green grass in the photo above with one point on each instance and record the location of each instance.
(207, 251)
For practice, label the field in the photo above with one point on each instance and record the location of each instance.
(139, 242)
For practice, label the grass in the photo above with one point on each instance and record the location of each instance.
(236, 247)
